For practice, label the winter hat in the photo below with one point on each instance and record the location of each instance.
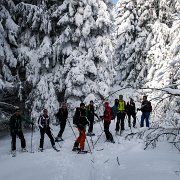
(45, 110)
(64, 104)
(82, 104)
(145, 97)
(106, 104)
(120, 96)
(131, 98)
(116, 101)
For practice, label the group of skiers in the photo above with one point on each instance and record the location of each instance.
(84, 115)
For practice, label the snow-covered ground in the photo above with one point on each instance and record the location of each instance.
(161, 163)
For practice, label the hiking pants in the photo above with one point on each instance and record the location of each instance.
(91, 123)
(129, 119)
(81, 139)
(145, 116)
(48, 132)
(21, 137)
(62, 127)
(107, 132)
(120, 119)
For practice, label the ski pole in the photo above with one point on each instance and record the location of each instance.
(99, 121)
(71, 128)
(92, 141)
(32, 137)
(88, 145)
(55, 138)
(98, 138)
(90, 134)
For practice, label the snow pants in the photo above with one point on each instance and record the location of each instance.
(107, 132)
(91, 123)
(129, 119)
(81, 139)
(120, 119)
(21, 137)
(62, 127)
(48, 132)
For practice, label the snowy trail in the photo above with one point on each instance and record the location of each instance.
(135, 163)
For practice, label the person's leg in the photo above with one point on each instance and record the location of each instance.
(147, 118)
(118, 121)
(48, 132)
(122, 120)
(62, 127)
(42, 132)
(90, 130)
(13, 142)
(106, 129)
(21, 137)
(82, 139)
(76, 143)
(142, 119)
(109, 135)
(129, 120)
(134, 119)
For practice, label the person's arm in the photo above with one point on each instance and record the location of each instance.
(39, 122)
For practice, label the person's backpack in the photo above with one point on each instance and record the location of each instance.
(149, 106)
(76, 117)
(112, 114)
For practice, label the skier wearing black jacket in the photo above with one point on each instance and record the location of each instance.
(80, 120)
(44, 127)
(15, 124)
(90, 116)
(62, 116)
(146, 109)
(131, 111)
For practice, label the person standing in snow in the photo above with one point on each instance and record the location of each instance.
(146, 109)
(131, 111)
(62, 116)
(90, 116)
(43, 123)
(15, 125)
(115, 108)
(121, 113)
(80, 120)
(107, 117)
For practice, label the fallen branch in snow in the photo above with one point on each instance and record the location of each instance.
(118, 161)
(106, 161)
(155, 139)
(152, 135)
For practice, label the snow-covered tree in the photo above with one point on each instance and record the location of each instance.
(63, 52)
(133, 34)
(8, 44)
(164, 58)
(147, 52)
(85, 48)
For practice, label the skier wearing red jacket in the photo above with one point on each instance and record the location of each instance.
(107, 121)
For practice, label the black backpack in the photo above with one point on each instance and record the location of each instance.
(149, 106)
(76, 116)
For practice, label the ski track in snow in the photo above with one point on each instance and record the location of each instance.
(134, 162)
